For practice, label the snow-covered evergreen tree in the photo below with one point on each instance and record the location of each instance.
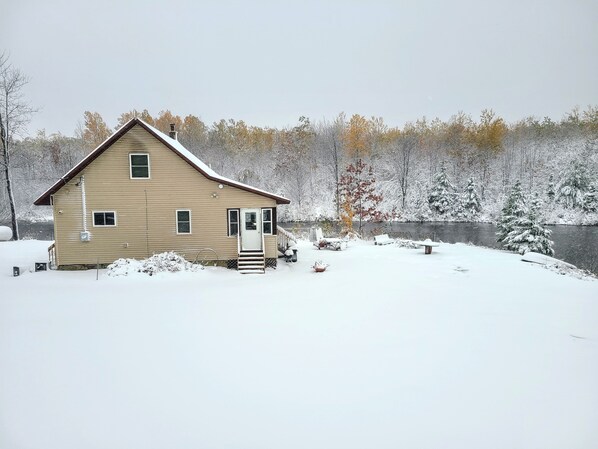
(513, 209)
(528, 234)
(442, 197)
(573, 185)
(590, 199)
(471, 200)
(550, 193)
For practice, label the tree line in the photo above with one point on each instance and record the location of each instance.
(356, 167)
(306, 162)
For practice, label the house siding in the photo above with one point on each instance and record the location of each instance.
(145, 208)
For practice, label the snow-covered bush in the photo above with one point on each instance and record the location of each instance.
(169, 262)
(590, 199)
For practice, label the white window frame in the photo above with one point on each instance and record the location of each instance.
(93, 218)
(149, 169)
(228, 222)
(268, 221)
(176, 218)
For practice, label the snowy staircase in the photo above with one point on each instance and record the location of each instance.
(251, 262)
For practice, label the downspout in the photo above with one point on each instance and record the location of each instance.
(83, 205)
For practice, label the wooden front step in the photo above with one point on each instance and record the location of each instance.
(251, 262)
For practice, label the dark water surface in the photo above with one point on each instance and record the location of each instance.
(574, 244)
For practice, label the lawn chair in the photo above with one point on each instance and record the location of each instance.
(327, 242)
(383, 239)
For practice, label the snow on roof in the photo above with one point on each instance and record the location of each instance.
(173, 144)
(178, 146)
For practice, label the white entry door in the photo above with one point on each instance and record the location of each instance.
(251, 229)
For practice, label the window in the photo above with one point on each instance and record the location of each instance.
(140, 165)
(250, 221)
(233, 222)
(183, 221)
(104, 218)
(267, 221)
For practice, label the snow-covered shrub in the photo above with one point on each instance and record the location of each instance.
(402, 243)
(158, 263)
(166, 262)
(590, 199)
(123, 267)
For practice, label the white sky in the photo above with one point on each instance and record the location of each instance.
(269, 62)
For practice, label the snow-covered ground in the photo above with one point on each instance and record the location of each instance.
(463, 348)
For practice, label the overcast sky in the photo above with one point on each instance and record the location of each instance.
(269, 62)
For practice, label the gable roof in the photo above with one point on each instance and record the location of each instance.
(170, 143)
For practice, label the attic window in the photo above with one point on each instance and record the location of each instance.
(140, 165)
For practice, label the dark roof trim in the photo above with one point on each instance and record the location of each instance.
(44, 199)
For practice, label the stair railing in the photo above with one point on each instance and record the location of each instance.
(285, 239)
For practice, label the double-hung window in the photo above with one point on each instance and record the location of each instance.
(104, 218)
(233, 222)
(183, 221)
(267, 221)
(139, 165)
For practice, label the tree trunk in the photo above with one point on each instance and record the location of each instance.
(11, 200)
(6, 165)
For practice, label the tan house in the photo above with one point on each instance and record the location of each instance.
(141, 193)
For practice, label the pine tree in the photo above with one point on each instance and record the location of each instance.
(590, 199)
(513, 209)
(442, 196)
(471, 201)
(573, 186)
(528, 234)
(550, 189)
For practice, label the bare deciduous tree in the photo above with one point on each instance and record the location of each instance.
(14, 115)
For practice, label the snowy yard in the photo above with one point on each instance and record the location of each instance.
(463, 348)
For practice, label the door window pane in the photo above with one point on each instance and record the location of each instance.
(250, 221)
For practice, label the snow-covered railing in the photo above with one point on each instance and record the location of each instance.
(284, 239)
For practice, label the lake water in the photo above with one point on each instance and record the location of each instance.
(574, 244)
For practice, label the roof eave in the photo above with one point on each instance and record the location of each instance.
(44, 198)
